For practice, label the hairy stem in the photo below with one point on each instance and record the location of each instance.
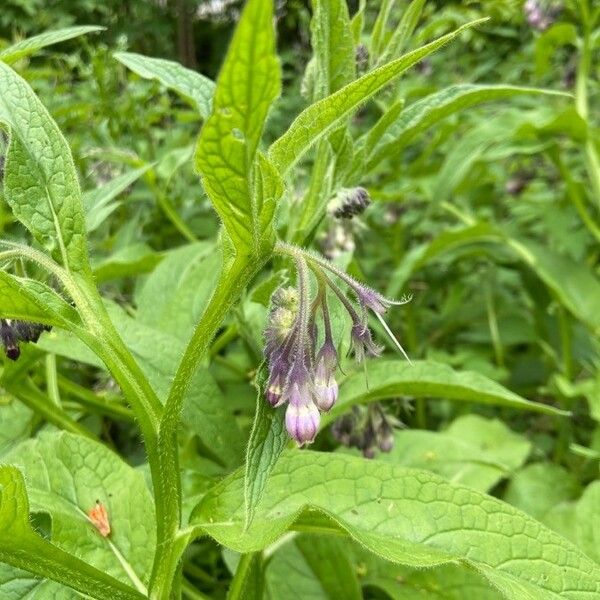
(233, 280)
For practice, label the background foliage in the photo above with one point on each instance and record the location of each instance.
(485, 208)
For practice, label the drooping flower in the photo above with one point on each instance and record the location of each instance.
(299, 375)
(302, 414)
(326, 387)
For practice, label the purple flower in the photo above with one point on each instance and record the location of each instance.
(302, 414)
(326, 387)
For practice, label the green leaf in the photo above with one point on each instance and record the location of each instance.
(425, 113)
(587, 516)
(98, 203)
(446, 582)
(472, 451)
(267, 440)
(174, 295)
(379, 34)
(65, 475)
(318, 567)
(321, 118)
(427, 379)
(40, 183)
(248, 83)
(333, 46)
(22, 548)
(406, 516)
(194, 87)
(403, 31)
(16, 423)
(31, 300)
(540, 487)
(577, 288)
(31, 45)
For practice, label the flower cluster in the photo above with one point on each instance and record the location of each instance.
(12, 332)
(541, 14)
(300, 350)
(353, 202)
(367, 428)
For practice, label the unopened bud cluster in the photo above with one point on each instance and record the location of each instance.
(300, 349)
(353, 202)
(12, 332)
(367, 428)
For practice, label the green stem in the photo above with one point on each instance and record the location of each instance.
(232, 281)
(248, 576)
(51, 379)
(94, 402)
(189, 591)
(29, 395)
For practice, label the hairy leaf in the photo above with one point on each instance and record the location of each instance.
(33, 44)
(427, 379)
(40, 183)
(194, 87)
(248, 83)
(320, 118)
(406, 516)
(22, 548)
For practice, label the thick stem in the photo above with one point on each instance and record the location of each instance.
(233, 280)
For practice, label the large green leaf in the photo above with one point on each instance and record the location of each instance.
(194, 87)
(472, 451)
(318, 567)
(33, 44)
(16, 423)
(321, 118)
(248, 83)
(22, 548)
(40, 182)
(333, 46)
(392, 378)
(406, 516)
(65, 476)
(576, 287)
(430, 110)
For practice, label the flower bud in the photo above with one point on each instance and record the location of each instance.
(286, 298)
(325, 385)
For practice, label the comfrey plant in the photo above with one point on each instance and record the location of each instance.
(113, 532)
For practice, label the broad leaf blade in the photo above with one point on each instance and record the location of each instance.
(406, 516)
(248, 83)
(320, 118)
(22, 548)
(40, 182)
(33, 44)
(65, 475)
(425, 113)
(194, 87)
(427, 379)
